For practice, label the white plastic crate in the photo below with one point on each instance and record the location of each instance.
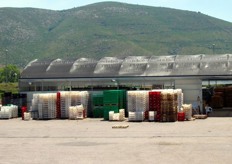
(27, 116)
(187, 109)
(151, 116)
(137, 101)
(121, 114)
(6, 112)
(135, 116)
(73, 112)
(111, 115)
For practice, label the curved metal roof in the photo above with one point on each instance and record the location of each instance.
(175, 65)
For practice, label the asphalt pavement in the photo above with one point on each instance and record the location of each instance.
(95, 141)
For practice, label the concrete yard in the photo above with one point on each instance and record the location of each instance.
(95, 141)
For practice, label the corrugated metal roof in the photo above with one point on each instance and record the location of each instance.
(175, 65)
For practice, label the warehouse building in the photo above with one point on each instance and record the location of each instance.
(186, 72)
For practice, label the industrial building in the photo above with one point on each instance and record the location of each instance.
(186, 72)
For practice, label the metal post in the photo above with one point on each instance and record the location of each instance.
(213, 46)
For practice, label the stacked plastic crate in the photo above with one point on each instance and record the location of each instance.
(113, 100)
(72, 112)
(6, 98)
(47, 106)
(122, 114)
(187, 109)
(16, 101)
(14, 109)
(97, 105)
(155, 105)
(228, 97)
(137, 105)
(76, 112)
(168, 106)
(34, 107)
(117, 116)
(58, 111)
(22, 102)
(10, 111)
(80, 98)
(217, 100)
(180, 99)
(5, 112)
(84, 100)
(72, 98)
(65, 103)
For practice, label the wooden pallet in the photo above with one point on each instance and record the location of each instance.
(200, 116)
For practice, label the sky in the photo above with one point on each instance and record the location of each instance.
(216, 8)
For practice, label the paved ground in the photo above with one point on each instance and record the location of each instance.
(95, 141)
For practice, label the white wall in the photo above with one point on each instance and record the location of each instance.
(192, 88)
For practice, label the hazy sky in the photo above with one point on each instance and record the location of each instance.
(216, 8)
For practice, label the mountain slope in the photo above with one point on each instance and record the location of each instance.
(109, 29)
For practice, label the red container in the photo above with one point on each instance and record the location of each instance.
(23, 109)
(158, 117)
(180, 116)
(58, 110)
(146, 116)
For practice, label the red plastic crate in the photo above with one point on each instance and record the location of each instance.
(180, 116)
(23, 109)
(58, 110)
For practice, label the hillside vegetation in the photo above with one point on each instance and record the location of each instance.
(108, 29)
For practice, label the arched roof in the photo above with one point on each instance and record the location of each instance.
(175, 65)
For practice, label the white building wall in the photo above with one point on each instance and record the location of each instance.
(191, 88)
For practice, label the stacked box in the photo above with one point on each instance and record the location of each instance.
(34, 107)
(6, 98)
(5, 112)
(98, 112)
(47, 106)
(217, 101)
(16, 99)
(97, 105)
(113, 100)
(121, 114)
(187, 109)
(58, 108)
(56, 105)
(180, 99)
(10, 111)
(155, 103)
(137, 105)
(136, 116)
(76, 112)
(228, 97)
(168, 106)
(73, 98)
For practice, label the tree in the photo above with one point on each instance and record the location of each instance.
(10, 73)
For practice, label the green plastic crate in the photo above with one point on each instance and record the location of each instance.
(98, 112)
(111, 97)
(97, 100)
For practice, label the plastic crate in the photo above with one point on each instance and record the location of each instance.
(107, 109)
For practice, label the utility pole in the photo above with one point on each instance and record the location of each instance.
(6, 70)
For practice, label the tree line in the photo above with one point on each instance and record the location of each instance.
(9, 74)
